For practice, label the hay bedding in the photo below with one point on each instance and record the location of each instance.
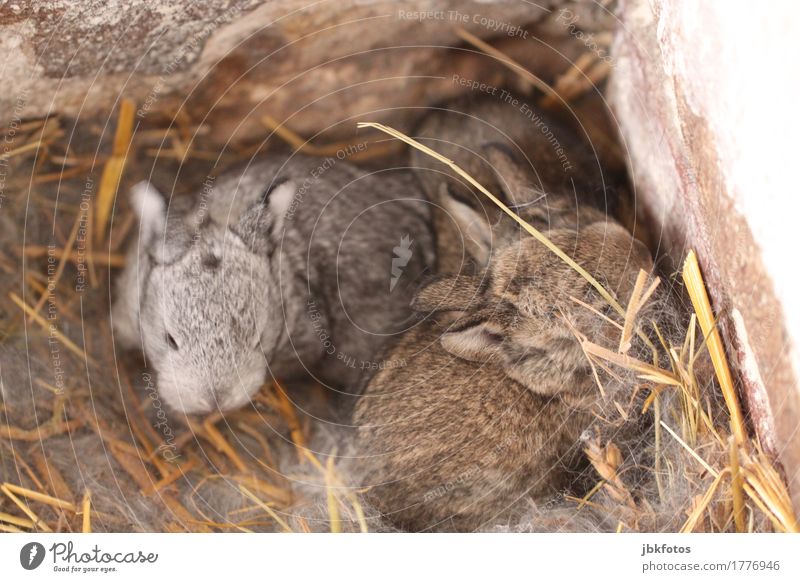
(85, 444)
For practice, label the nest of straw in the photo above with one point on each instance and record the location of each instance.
(254, 470)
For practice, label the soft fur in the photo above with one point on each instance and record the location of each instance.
(488, 410)
(278, 270)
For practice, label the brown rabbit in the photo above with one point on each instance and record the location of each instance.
(550, 160)
(485, 400)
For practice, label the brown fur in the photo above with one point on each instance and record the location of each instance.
(487, 397)
(548, 158)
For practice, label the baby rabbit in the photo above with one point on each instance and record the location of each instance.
(487, 410)
(548, 152)
(551, 160)
(303, 267)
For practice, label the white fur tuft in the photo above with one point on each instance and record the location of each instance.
(280, 199)
(149, 205)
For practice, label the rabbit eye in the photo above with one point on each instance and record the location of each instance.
(171, 342)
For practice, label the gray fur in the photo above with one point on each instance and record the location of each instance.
(248, 285)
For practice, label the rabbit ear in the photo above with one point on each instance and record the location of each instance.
(150, 208)
(165, 237)
(510, 175)
(476, 340)
(266, 217)
(277, 199)
(449, 293)
(473, 227)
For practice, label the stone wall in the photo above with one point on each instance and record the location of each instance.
(233, 59)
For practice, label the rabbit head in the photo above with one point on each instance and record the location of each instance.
(525, 306)
(523, 310)
(203, 305)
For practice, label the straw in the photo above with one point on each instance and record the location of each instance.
(278, 519)
(40, 497)
(86, 526)
(691, 451)
(697, 292)
(112, 172)
(736, 487)
(38, 523)
(68, 343)
(302, 145)
(508, 62)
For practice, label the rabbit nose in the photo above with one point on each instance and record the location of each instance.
(193, 402)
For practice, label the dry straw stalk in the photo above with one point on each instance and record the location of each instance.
(705, 316)
(112, 172)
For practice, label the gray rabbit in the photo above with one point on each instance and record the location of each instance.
(489, 410)
(298, 267)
